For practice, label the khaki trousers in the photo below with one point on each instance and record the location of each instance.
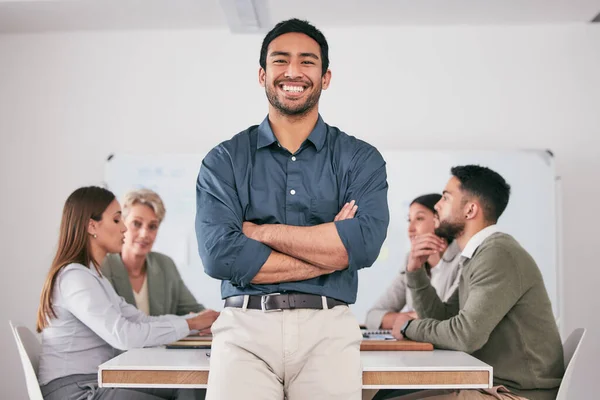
(293, 354)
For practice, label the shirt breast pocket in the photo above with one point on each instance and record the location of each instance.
(322, 211)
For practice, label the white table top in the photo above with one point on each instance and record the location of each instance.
(436, 360)
(161, 359)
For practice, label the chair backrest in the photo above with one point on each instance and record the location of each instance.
(571, 350)
(29, 350)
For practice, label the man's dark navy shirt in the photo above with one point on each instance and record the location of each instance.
(252, 178)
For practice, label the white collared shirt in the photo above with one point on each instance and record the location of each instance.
(477, 239)
(93, 323)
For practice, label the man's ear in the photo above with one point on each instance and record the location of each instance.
(472, 210)
(262, 76)
(326, 80)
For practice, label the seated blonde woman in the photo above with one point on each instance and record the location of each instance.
(146, 279)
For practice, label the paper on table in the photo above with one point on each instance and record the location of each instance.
(381, 334)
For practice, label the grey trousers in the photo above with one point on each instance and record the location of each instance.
(85, 387)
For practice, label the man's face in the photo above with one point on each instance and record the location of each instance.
(450, 210)
(293, 77)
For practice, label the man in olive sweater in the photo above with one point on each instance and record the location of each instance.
(500, 313)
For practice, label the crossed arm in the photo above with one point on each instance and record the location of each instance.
(300, 252)
(244, 253)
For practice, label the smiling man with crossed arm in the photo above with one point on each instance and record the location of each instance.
(287, 213)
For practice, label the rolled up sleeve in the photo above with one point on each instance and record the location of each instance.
(364, 234)
(226, 253)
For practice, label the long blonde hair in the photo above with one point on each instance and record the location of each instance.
(73, 241)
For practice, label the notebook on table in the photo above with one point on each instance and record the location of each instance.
(192, 342)
(377, 334)
(382, 340)
(394, 345)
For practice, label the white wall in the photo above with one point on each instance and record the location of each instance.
(68, 100)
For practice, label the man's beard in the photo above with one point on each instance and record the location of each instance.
(450, 230)
(297, 109)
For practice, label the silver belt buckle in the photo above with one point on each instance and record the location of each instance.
(263, 303)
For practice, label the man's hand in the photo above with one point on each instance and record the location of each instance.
(388, 319)
(422, 247)
(412, 314)
(399, 323)
(347, 212)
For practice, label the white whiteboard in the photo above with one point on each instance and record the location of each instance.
(531, 215)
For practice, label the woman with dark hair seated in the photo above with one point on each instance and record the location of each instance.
(441, 267)
(83, 321)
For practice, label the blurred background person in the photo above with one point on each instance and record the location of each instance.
(82, 321)
(442, 268)
(146, 279)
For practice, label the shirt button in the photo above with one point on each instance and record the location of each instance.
(293, 158)
(292, 192)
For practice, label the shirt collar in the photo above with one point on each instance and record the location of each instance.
(451, 252)
(477, 239)
(266, 137)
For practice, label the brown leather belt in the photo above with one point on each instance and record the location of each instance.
(284, 301)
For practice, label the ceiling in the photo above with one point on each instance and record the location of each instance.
(259, 15)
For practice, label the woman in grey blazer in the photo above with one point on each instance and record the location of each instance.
(146, 279)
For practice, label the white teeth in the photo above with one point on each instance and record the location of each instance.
(297, 89)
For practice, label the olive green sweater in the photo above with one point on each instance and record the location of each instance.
(500, 314)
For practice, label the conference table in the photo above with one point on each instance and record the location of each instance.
(188, 368)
